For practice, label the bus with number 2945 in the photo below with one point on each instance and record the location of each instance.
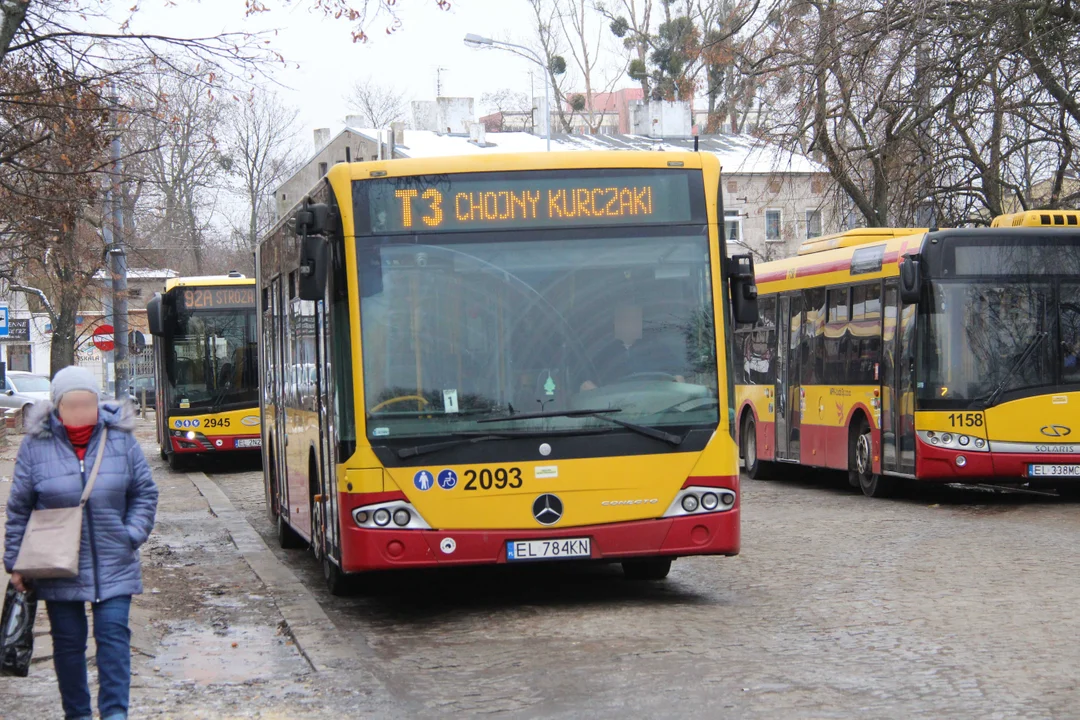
(503, 360)
(205, 366)
(949, 356)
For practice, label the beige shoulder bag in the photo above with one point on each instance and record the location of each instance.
(50, 546)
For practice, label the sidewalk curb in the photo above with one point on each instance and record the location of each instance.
(314, 633)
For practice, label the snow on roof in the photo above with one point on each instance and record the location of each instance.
(140, 274)
(738, 154)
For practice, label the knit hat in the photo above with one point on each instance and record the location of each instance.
(73, 378)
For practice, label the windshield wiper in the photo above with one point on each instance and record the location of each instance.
(462, 439)
(600, 414)
(1029, 350)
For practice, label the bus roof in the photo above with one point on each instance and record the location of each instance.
(506, 162)
(208, 281)
(855, 237)
(1039, 218)
(867, 260)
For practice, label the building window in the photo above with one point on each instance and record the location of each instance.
(18, 358)
(135, 292)
(774, 186)
(817, 186)
(732, 186)
(322, 169)
(772, 225)
(732, 226)
(813, 223)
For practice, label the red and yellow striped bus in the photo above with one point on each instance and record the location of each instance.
(503, 359)
(938, 355)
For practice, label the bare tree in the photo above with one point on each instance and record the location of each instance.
(378, 104)
(549, 44)
(506, 101)
(585, 39)
(631, 20)
(50, 198)
(181, 131)
(261, 153)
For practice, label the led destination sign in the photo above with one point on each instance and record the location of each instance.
(472, 202)
(216, 298)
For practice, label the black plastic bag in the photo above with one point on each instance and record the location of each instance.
(17, 632)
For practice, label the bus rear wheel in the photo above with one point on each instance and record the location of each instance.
(646, 569)
(755, 468)
(861, 465)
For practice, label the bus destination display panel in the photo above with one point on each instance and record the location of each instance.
(449, 203)
(216, 298)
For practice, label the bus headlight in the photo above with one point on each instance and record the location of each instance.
(964, 440)
(379, 516)
(946, 438)
(980, 443)
(701, 500)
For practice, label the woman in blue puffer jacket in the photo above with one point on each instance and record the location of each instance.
(62, 441)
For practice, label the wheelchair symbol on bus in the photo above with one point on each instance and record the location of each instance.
(448, 479)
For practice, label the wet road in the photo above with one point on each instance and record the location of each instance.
(942, 603)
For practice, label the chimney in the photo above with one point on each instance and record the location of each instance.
(398, 129)
(391, 143)
(322, 138)
(354, 121)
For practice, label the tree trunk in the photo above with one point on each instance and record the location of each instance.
(12, 14)
(62, 350)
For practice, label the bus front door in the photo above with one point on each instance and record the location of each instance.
(889, 378)
(789, 328)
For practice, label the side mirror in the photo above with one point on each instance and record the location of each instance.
(9, 393)
(155, 316)
(744, 303)
(910, 279)
(313, 267)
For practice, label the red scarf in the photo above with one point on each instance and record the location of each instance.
(80, 438)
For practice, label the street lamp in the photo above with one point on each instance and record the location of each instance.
(478, 41)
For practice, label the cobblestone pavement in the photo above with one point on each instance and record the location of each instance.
(944, 603)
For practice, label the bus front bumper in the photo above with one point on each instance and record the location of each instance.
(202, 443)
(708, 534)
(953, 465)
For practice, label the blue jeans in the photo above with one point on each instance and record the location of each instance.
(113, 638)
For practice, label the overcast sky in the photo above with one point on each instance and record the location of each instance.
(324, 62)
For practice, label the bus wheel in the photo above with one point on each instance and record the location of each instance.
(337, 582)
(177, 463)
(861, 465)
(164, 455)
(647, 569)
(755, 469)
(1069, 492)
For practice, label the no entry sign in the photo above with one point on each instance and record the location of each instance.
(103, 338)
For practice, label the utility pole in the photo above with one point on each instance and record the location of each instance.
(118, 263)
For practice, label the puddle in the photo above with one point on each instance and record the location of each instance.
(205, 655)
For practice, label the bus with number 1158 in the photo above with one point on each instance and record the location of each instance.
(501, 360)
(949, 356)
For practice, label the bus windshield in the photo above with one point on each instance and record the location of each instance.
(212, 360)
(981, 334)
(492, 325)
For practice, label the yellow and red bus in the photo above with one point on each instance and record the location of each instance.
(938, 355)
(502, 359)
(205, 366)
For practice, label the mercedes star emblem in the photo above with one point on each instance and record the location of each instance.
(547, 509)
